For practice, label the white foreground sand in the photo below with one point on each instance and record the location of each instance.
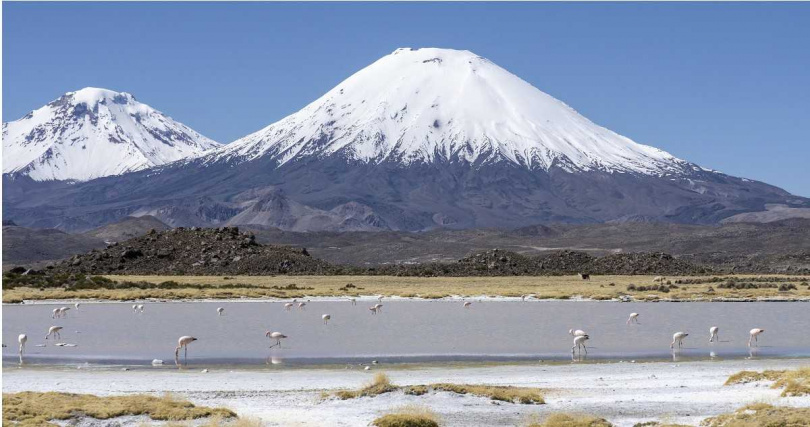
(624, 393)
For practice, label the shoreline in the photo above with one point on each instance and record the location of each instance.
(624, 393)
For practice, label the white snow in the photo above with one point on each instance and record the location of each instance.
(93, 133)
(420, 105)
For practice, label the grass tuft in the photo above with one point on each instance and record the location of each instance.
(793, 382)
(379, 385)
(761, 414)
(572, 420)
(408, 416)
(33, 408)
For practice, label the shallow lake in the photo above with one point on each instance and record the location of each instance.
(405, 330)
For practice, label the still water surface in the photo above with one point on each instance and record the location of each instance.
(405, 330)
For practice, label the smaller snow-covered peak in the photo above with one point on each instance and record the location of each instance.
(92, 133)
(431, 104)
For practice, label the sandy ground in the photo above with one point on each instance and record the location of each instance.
(624, 393)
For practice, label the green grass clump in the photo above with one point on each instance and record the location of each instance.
(36, 409)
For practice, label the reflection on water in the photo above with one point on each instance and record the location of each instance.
(403, 331)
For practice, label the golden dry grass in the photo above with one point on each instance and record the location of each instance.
(382, 384)
(794, 382)
(408, 416)
(761, 414)
(555, 287)
(379, 385)
(571, 420)
(36, 409)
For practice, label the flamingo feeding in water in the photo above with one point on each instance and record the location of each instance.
(183, 343)
(134, 308)
(56, 313)
(467, 304)
(140, 308)
(713, 334)
(301, 305)
(288, 306)
(373, 309)
(378, 307)
(54, 330)
(278, 336)
(63, 311)
(220, 310)
(22, 340)
(579, 343)
(77, 306)
(577, 333)
(633, 318)
(678, 337)
(753, 335)
(326, 318)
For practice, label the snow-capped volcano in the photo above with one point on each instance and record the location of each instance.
(93, 133)
(420, 105)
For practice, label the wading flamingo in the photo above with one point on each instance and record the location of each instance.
(77, 306)
(467, 304)
(577, 333)
(326, 318)
(378, 307)
(22, 340)
(220, 310)
(301, 305)
(633, 318)
(678, 337)
(183, 343)
(579, 344)
(278, 336)
(134, 308)
(140, 308)
(752, 335)
(288, 306)
(54, 330)
(63, 311)
(713, 334)
(373, 309)
(56, 313)
(354, 301)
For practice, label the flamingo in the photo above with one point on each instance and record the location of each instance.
(134, 308)
(467, 304)
(63, 311)
(183, 343)
(378, 307)
(354, 301)
(753, 335)
(373, 309)
(678, 337)
(713, 334)
(77, 306)
(379, 299)
(301, 305)
(579, 343)
(278, 336)
(326, 318)
(220, 310)
(633, 318)
(577, 333)
(56, 313)
(22, 339)
(54, 330)
(288, 306)
(140, 308)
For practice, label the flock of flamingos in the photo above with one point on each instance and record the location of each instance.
(182, 343)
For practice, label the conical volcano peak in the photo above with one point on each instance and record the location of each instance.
(430, 104)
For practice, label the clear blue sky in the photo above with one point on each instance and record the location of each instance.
(723, 85)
